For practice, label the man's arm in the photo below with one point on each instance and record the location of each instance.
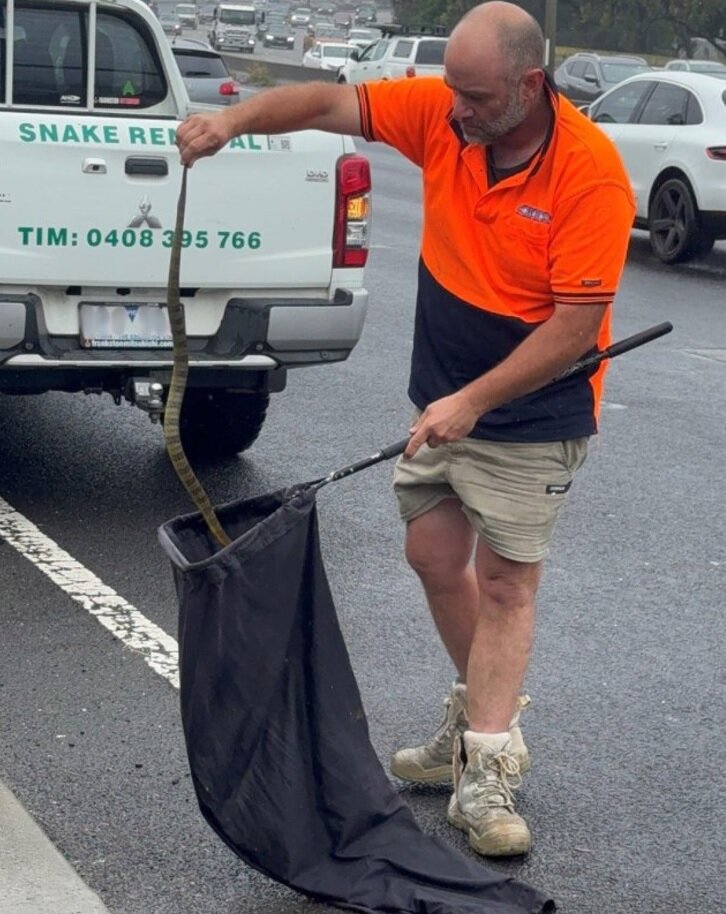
(554, 346)
(309, 106)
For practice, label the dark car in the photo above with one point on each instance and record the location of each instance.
(584, 77)
(276, 32)
(315, 20)
(344, 18)
(324, 31)
(366, 15)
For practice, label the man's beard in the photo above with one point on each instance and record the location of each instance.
(486, 133)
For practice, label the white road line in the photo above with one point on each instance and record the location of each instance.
(124, 621)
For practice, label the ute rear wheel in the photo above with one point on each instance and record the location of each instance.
(218, 423)
(674, 223)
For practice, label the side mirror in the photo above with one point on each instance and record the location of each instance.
(355, 54)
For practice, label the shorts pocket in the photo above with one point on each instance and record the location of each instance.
(574, 453)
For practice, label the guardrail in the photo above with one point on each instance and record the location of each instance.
(278, 72)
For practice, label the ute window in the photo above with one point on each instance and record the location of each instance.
(431, 53)
(376, 51)
(128, 70)
(403, 49)
(40, 36)
(50, 59)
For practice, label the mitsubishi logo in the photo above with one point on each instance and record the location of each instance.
(145, 218)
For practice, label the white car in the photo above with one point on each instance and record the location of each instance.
(669, 128)
(327, 55)
(300, 16)
(697, 66)
(188, 15)
(390, 58)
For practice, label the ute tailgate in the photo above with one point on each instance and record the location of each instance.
(104, 190)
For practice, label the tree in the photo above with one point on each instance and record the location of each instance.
(617, 25)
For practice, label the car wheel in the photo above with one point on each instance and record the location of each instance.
(215, 423)
(342, 80)
(674, 225)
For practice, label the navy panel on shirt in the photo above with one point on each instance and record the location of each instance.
(455, 343)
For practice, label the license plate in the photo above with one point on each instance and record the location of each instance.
(127, 326)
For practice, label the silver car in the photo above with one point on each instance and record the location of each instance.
(171, 23)
(205, 73)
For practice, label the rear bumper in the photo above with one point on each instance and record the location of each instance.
(254, 335)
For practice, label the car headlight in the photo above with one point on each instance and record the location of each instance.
(270, 37)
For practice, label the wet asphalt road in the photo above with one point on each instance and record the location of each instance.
(626, 796)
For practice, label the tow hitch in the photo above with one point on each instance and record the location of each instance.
(149, 396)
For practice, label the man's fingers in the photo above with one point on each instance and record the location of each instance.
(197, 138)
(415, 441)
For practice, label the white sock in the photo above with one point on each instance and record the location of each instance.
(489, 742)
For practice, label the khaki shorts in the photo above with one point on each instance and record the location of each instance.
(510, 492)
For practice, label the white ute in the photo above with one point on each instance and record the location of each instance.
(273, 250)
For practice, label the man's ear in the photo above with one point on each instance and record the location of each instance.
(532, 82)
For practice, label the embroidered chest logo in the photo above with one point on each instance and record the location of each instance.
(531, 212)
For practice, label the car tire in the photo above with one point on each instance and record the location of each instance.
(215, 423)
(342, 80)
(674, 223)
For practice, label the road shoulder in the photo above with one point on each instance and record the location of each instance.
(35, 878)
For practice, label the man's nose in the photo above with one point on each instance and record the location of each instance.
(460, 109)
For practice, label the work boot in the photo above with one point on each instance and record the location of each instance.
(485, 775)
(431, 764)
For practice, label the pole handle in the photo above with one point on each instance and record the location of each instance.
(618, 348)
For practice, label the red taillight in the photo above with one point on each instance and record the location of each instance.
(410, 71)
(717, 152)
(230, 88)
(352, 211)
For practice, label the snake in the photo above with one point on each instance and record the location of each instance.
(178, 383)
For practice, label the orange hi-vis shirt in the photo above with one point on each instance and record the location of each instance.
(497, 257)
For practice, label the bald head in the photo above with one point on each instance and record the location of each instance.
(505, 34)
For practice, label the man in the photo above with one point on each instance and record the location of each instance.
(527, 215)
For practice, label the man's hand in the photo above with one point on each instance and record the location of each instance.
(202, 135)
(444, 420)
